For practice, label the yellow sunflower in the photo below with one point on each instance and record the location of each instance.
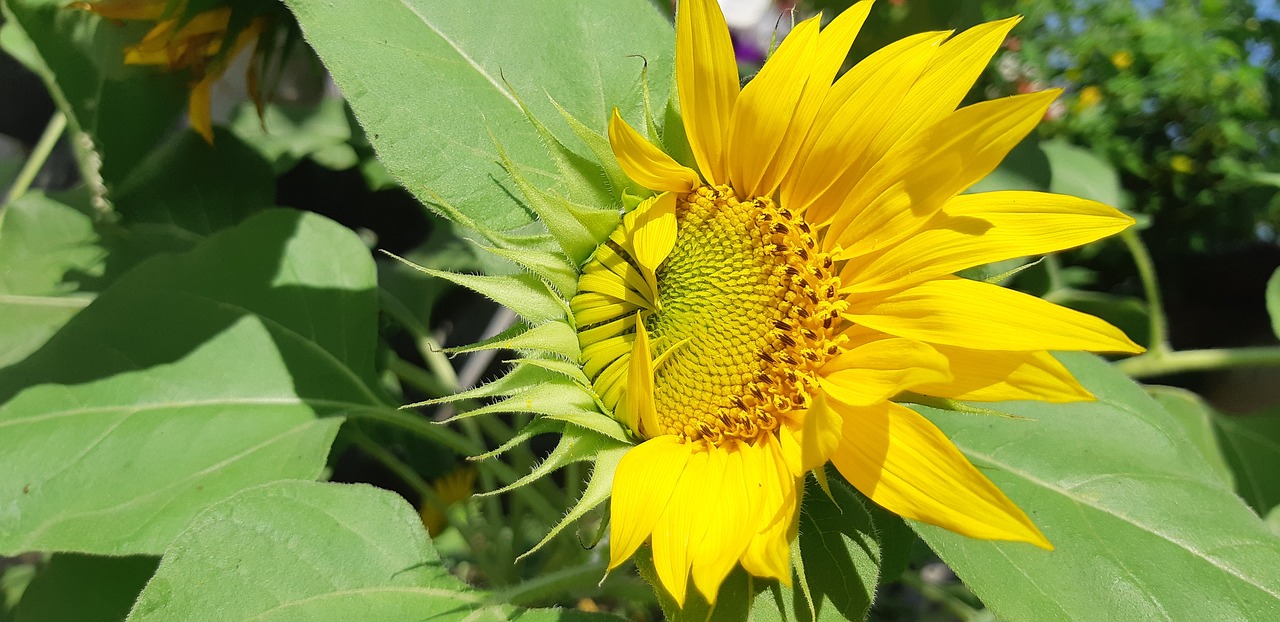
(758, 317)
(177, 42)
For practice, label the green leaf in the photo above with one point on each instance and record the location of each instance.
(116, 113)
(303, 551)
(841, 551)
(1273, 301)
(426, 80)
(286, 134)
(189, 189)
(1080, 173)
(1143, 524)
(1252, 447)
(84, 588)
(47, 250)
(190, 379)
(1199, 422)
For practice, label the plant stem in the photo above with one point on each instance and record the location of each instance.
(1158, 342)
(39, 155)
(937, 594)
(542, 589)
(1160, 363)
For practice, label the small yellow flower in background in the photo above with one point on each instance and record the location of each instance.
(1182, 164)
(1089, 97)
(448, 490)
(758, 316)
(1122, 60)
(179, 42)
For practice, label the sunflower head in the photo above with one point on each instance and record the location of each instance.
(759, 316)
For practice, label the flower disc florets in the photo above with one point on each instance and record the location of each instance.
(747, 309)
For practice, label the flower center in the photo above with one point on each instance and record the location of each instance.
(747, 311)
(749, 306)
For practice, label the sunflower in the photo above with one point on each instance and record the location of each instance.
(760, 314)
(185, 42)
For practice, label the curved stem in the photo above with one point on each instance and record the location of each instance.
(39, 155)
(1159, 337)
(1161, 363)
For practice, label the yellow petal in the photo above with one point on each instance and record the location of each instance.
(199, 107)
(672, 535)
(900, 460)
(950, 76)
(982, 316)
(836, 155)
(646, 164)
(913, 180)
(773, 118)
(993, 376)
(769, 553)
(643, 416)
(642, 487)
(975, 229)
(881, 369)
(726, 509)
(653, 232)
(820, 435)
(707, 82)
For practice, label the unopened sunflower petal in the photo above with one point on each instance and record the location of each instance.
(900, 460)
(653, 224)
(646, 164)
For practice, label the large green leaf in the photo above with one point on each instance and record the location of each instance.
(47, 249)
(309, 551)
(190, 379)
(1144, 526)
(426, 79)
(116, 113)
(84, 588)
(1252, 447)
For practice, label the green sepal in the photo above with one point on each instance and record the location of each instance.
(674, 139)
(552, 337)
(554, 268)
(572, 234)
(518, 379)
(599, 488)
(526, 294)
(942, 403)
(596, 422)
(541, 425)
(573, 447)
(599, 146)
(552, 398)
(570, 370)
(582, 179)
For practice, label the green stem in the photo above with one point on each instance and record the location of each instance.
(420, 378)
(937, 594)
(39, 155)
(544, 588)
(423, 428)
(1158, 341)
(1161, 363)
(394, 464)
